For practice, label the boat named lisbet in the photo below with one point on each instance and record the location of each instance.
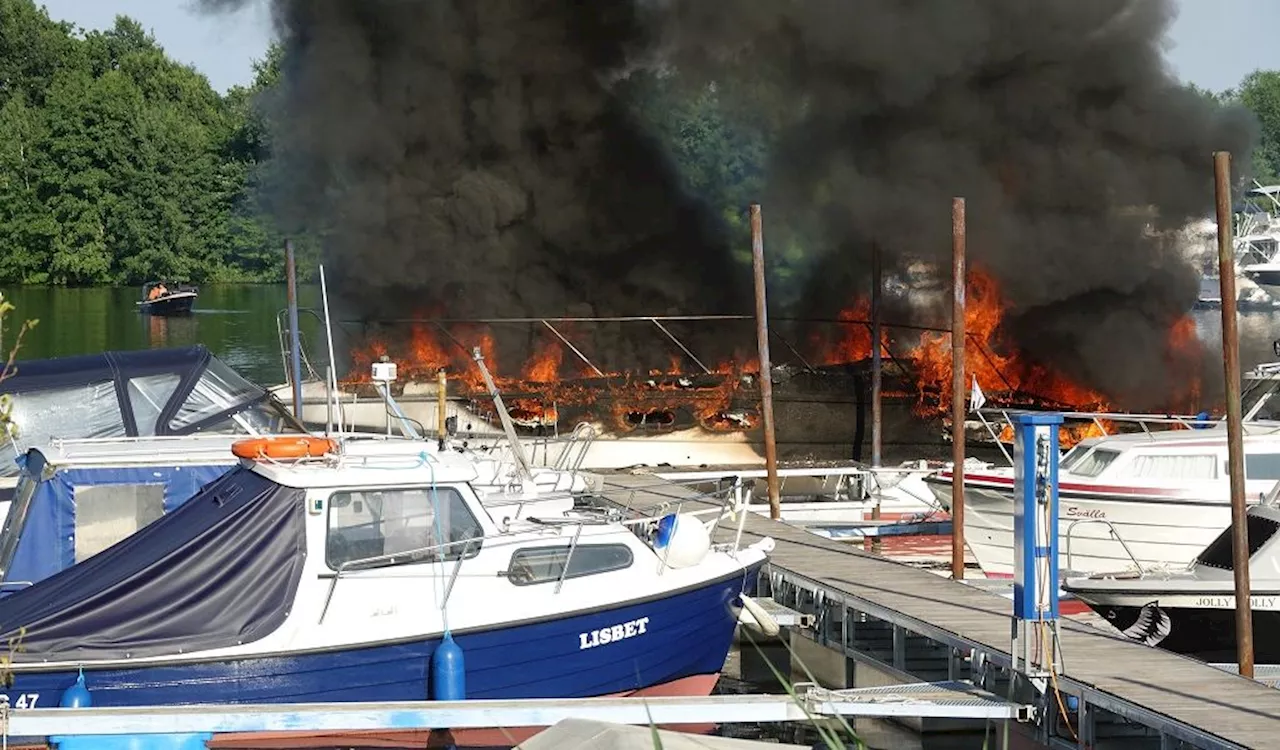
(342, 570)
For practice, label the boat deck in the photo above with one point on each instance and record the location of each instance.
(1180, 697)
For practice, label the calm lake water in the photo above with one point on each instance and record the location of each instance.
(238, 323)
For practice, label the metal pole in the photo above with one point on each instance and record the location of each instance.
(1235, 449)
(876, 283)
(762, 342)
(957, 388)
(328, 334)
(295, 355)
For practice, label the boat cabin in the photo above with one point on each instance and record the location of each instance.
(1181, 457)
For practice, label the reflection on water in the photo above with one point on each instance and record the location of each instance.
(237, 323)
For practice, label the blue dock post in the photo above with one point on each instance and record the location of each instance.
(1035, 541)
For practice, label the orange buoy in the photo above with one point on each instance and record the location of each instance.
(301, 446)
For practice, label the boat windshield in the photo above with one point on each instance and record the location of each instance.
(1072, 456)
(1218, 554)
(1093, 463)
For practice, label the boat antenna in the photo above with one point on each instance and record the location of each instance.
(328, 332)
(516, 446)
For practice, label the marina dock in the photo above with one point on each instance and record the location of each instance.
(872, 610)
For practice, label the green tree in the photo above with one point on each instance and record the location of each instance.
(1260, 92)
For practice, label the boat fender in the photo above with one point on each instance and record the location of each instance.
(448, 671)
(301, 446)
(681, 541)
(76, 696)
(764, 622)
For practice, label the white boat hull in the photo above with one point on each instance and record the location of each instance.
(1160, 533)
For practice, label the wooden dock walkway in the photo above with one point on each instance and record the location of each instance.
(1182, 698)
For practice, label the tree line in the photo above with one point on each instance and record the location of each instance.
(119, 165)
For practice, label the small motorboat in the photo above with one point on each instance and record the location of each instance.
(167, 298)
(353, 569)
(1192, 611)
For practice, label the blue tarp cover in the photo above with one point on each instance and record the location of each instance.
(47, 541)
(220, 570)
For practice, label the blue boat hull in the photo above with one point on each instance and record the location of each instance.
(687, 633)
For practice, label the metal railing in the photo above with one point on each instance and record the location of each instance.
(1097, 418)
(1114, 535)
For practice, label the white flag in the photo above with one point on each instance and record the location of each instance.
(976, 398)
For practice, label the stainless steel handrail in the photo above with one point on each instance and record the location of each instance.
(1114, 535)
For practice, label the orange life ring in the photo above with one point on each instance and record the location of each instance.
(283, 447)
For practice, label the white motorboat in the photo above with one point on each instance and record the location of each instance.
(1155, 499)
(1192, 611)
(363, 574)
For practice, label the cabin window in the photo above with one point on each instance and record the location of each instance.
(1172, 467)
(1092, 464)
(107, 513)
(1218, 554)
(374, 523)
(543, 564)
(148, 395)
(83, 411)
(1262, 466)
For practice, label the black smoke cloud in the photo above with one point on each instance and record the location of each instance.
(1057, 121)
(473, 156)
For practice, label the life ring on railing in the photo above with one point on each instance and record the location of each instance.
(302, 446)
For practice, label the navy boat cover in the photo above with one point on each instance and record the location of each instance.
(174, 391)
(39, 536)
(221, 569)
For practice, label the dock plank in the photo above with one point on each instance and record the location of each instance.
(1236, 709)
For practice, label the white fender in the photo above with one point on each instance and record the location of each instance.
(764, 621)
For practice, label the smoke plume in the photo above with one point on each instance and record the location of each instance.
(473, 157)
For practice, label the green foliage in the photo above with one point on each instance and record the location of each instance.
(1260, 93)
(119, 165)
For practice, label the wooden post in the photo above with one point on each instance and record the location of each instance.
(442, 392)
(957, 388)
(876, 365)
(877, 282)
(762, 342)
(295, 355)
(1235, 447)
